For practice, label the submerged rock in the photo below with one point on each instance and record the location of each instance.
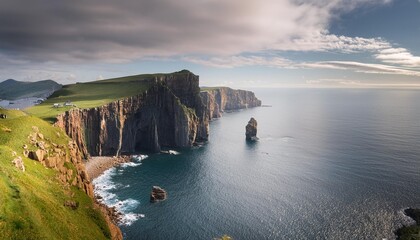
(157, 194)
(251, 130)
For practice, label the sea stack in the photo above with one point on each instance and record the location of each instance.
(251, 130)
(157, 194)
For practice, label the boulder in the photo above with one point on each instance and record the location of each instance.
(18, 162)
(40, 136)
(26, 153)
(251, 130)
(41, 145)
(157, 194)
(37, 155)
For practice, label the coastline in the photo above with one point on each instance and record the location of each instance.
(95, 166)
(410, 231)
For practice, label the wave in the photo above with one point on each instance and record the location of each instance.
(139, 158)
(103, 186)
(170, 152)
(130, 164)
(173, 152)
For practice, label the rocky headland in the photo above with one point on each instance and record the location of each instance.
(171, 113)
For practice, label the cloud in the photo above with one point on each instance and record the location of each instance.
(119, 31)
(367, 68)
(399, 56)
(240, 61)
(331, 42)
(279, 62)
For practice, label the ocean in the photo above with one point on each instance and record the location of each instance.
(330, 164)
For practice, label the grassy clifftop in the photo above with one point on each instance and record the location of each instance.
(94, 94)
(32, 201)
(91, 94)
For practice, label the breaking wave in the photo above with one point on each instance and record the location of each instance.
(104, 185)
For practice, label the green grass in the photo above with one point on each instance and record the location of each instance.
(95, 94)
(91, 94)
(31, 202)
(207, 89)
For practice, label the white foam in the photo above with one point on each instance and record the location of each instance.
(130, 164)
(173, 152)
(127, 205)
(139, 158)
(103, 185)
(130, 218)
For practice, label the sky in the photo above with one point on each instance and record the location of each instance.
(237, 43)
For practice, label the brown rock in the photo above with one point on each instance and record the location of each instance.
(18, 162)
(51, 162)
(157, 194)
(41, 145)
(251, 130)
(37, 155)
(26, 152)
(40, 136)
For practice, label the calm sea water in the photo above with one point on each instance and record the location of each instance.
(330, 164)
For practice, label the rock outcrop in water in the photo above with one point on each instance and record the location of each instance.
(413, 231)
(157, 194)
(171, 113)
(251, 130)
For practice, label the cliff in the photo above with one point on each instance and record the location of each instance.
(171, 113)
(219, 100)
(163, 116)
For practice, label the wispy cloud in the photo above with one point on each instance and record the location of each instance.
(365, 67)
(278, 62)
(398, 56)
(240, 61)
(330, 42)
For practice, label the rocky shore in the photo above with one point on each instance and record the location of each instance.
(95, 166)
(410, 232)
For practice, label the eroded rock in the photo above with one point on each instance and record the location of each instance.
(157, 194)
(37, 155)
(251, 130)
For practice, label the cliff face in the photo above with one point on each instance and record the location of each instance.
(154, 119)
(224, 99)
(172, 113)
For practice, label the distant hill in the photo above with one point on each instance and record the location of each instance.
(12, 89)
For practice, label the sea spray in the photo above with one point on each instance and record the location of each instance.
(104, 185)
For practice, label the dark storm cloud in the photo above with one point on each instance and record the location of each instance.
(118, 30)
(108, 30)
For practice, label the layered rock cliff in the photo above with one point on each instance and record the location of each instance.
(219, 100)
(171, 113)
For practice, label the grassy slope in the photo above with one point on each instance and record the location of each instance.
(206, 89)
(31, 202)
(11, 89)
(91, 94)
